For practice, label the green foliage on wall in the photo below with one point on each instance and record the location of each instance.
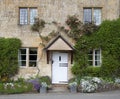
(92, 71)
(107, 38)
(77, 28)
(8, 57)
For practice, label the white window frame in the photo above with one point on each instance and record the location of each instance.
(27, 57)
(96, 14)
(23, 16)
(19, 57)
(32, 55)
(93, 57)
(87, 16)
(27, 15)
(33, 15)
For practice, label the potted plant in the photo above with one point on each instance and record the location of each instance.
(73, 87)
(43, 88)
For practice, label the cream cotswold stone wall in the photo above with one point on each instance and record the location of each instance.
(49, 10)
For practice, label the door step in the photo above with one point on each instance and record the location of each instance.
(59, 88)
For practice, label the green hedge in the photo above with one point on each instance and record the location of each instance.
(92, 71)
(8, 57)
(107, 38)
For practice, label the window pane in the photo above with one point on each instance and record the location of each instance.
(87, 15)
(22, 51)
(97, 52)
(22, 63)
(33, 14)
(23, 16)
(94, 57)
(97, 16)
(90, 57)
(97, 63)
(32, 57)
(32, 64)
(97, 57)
(22, 57)
(33, 51)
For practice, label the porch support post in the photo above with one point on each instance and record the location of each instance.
(48, 56)
(71, 57)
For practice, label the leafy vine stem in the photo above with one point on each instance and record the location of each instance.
(73, 27)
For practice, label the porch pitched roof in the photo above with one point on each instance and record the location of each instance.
(59, 43)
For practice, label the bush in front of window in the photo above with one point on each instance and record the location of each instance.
(106, 38)
(8, 57)
(92, 71)
(110, 67)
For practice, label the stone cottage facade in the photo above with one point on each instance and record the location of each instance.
(55, 60)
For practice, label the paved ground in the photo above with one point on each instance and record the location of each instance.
(102, 95)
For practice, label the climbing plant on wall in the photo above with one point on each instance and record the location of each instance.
(107, 37)
(8, 57)
(73, 27)
(77, 28)
(88, 37)
(38, 26)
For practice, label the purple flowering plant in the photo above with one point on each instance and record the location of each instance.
(36, 84)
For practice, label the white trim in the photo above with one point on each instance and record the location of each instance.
(26, 15)
(27, 57)
(19, 55)
(93, 55)
(57, 70)
(93, 15)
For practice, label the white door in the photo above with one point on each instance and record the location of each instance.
(59, 68)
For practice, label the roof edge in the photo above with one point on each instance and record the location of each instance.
(55, 39)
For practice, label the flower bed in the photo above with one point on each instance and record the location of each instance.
(94, 84)
(24, 86)
(12, 88)
(108, 87)
(90, 84)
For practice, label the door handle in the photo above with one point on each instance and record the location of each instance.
(52, 61)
